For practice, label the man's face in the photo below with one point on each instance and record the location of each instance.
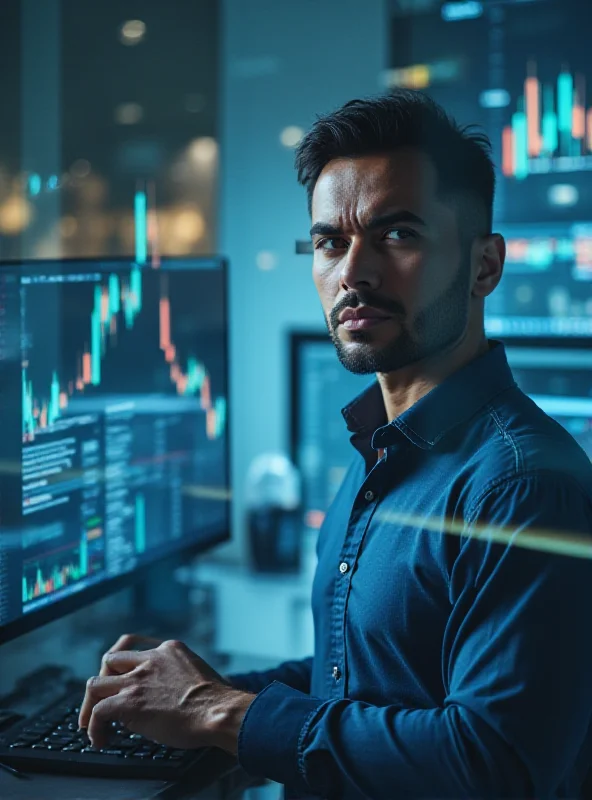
(383, 239)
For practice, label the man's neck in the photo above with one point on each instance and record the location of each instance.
(403, 388)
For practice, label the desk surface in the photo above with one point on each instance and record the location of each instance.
(219, 779)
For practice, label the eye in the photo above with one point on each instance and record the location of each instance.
(401, 233)
(331, 242)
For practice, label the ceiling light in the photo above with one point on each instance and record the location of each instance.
(291, 135)
(132, 32)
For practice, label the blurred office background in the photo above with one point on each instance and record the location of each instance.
(199, 106)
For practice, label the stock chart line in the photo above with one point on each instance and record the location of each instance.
(195, 379)
(113, 301)
(549, 123)
(60, 575)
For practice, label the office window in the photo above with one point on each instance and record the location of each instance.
(105, 101)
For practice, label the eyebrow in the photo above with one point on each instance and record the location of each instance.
(393, 218)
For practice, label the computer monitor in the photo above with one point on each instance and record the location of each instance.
(559, 379)
(114, 453)
(320, 446)
(546, 287)
(519, 70)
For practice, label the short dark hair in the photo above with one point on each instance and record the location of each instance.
(407, 118)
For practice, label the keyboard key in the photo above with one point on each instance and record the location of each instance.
(19, 745)
(38, 727)
(125, 746)
(30, 738)
(51, 722)
(114, 751)
(70, 726)
(73, 748)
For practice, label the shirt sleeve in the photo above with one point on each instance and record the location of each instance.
(517, 661)
(292, 673)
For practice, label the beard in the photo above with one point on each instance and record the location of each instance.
(436, 328)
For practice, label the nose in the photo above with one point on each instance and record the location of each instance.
(360, 268)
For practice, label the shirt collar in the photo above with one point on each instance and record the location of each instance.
(449, 404)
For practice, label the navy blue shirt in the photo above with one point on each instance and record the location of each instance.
(452, 602)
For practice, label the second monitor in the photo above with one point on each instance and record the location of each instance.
(559, 379)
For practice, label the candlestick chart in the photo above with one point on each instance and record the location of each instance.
(551, 128)
(58, 567)
(113, 327)
(521, 71)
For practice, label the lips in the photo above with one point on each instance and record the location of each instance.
(362, 312)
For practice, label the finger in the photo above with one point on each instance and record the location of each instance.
(129, 641)
(98, 688)
(124, 661)
(108, 710)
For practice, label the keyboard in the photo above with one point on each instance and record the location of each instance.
(51, 742)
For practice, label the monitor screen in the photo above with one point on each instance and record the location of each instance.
(321, 448)
(519, 69)
(114, 451)
(558, 379)
(546, 288)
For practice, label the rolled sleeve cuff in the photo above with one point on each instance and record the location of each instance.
(271, 735)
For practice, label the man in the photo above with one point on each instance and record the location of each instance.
(453, 653)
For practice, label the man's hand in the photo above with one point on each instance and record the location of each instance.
(168, 694)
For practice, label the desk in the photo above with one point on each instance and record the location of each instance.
(219, 779)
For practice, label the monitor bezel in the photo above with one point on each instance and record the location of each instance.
(65, 606)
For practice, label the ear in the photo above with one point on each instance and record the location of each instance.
(487, 257)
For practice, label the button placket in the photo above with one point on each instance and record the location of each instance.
(358, 522)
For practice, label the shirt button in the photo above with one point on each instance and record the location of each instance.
(336, 673)
(343, 567)
(369, 495)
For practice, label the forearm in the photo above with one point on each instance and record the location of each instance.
(296, 674)
(351, 749)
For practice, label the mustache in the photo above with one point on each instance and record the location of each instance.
(355, 299)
